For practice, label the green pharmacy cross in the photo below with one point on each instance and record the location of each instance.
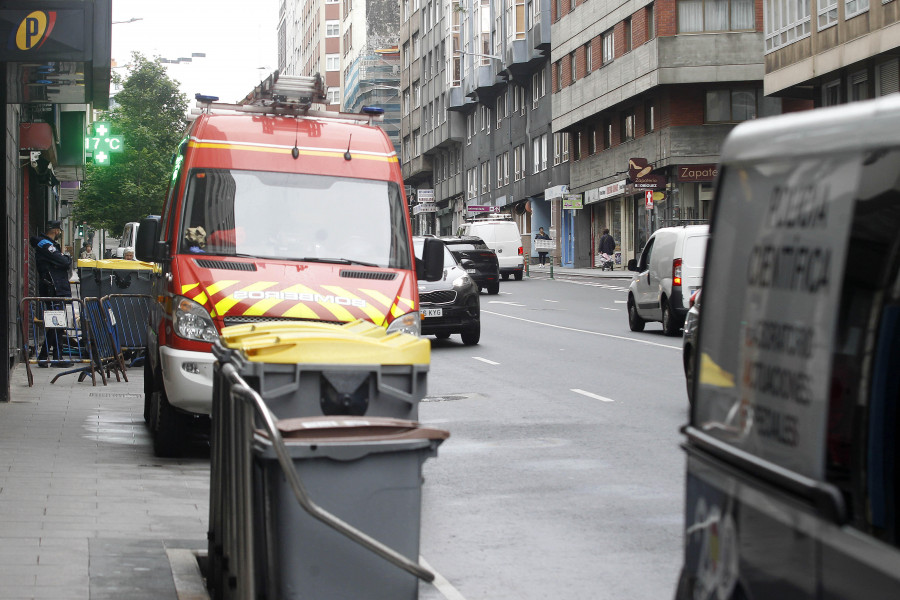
(101, 143)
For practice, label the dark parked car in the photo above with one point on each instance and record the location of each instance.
(479, 261)
(451, 304)
(689, 344)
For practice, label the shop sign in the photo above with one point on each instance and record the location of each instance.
(428, 207)
(425, 195)
(604, 193)
(651, 182)
(573, 202)
(556, 192)
(483, 209)
(57, 34)
(697, 172)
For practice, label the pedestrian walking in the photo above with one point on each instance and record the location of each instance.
(542, 235)
(53, 281)
(87, 253)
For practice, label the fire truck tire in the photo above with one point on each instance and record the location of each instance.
(170, 430)
(148, 388)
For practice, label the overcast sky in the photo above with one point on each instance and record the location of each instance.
(237, 37)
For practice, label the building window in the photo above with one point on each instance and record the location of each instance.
(628, 125)
(855, 7)
(536, 153)
(828, 13)
(332, 62)
(573, 68)
(522, 100)
(649, 117)
(609, 48)
(592, 139)
(535, 89)
(332, 29)
(718, 15)
(887, 77)
(560, 148)
(607, 134)
(485, 177)
(470, 128)
(786, 21)
(831, 93)
(406, 147)
(334, 95)
(415, 94)
(651, 22)
(627, 34)
(417, 143)
(858, 86)
(739, 104)
(519, 162)
(544, 151)
(587, 59)
(406, 55)
(559, 72)
(415, 46)
(576, 147)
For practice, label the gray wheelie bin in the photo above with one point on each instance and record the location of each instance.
(316, 461)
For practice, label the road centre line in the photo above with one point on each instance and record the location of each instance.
(504, 302)
(609, 335)
(605, 308)
(621, 301)
(590, 395)
(442, 585)
(484, 360)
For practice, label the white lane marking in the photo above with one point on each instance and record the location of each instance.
(621, 301)
(484, 360)
(609, 335)
(590, 395)
(605, 308)
(546, 300)
(442, 585)
(503, 302)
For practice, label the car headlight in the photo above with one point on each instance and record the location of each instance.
(408, 323)
(192, 321)
(462, 281)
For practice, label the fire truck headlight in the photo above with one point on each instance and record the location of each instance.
(408, 323)
(192, 321)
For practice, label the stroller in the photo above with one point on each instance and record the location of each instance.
(605, 262)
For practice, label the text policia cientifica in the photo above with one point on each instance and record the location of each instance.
(794, 267)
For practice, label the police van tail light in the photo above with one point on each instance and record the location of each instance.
(676, 272)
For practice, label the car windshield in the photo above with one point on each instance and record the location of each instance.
(291, 216)
(449, 259)
(457, 246)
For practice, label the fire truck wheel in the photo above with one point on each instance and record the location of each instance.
(170, 431)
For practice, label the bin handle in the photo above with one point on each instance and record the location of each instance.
(287, 466)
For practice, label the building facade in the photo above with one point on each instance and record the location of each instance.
(832, 51)
(476, 122)
(648, 91)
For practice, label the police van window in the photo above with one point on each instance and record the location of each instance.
(290, 216)
(861, 450)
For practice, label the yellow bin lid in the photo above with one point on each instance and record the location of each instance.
(357, 342)
(116, 264)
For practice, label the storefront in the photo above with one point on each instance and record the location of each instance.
(606, 205)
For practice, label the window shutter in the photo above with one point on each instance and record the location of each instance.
(888, 77)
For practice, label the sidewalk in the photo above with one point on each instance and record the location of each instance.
(537, 271)
(86, 510)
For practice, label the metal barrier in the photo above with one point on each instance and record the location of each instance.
(237, 411)
(56, 332)
(128, 316)
(108, 358)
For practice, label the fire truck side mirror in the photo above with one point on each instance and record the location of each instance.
(146, 247)
(431, 267)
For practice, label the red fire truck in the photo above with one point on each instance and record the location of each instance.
(274, 211)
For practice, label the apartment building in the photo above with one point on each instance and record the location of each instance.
(310, 41)
(648, 91)
(476, 122)
(848, 52)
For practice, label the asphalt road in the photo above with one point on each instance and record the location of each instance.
(562, 477)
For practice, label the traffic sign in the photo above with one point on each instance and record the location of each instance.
(648, 199)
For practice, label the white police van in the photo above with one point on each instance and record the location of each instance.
(793, 446)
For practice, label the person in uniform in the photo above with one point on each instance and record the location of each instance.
(53, 281)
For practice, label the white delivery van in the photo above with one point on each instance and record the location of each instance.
(501, 234)
(793, 458)
(669, 270)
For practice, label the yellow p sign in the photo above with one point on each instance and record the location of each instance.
(35, 29)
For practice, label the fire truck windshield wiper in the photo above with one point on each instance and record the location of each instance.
(338, 261)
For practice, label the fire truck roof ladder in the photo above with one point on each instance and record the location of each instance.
(289, 95)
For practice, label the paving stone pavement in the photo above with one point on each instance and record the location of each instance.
(86, 509)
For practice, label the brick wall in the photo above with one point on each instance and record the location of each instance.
(666, 17)
(619, 39)
(789, 105)
(639, 27)
(686, 105)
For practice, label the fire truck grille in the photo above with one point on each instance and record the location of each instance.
(241, 320)
(221, 264)
(368, 274)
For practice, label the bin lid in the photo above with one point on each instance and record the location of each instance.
(357, 342)
(115, 264)
(355, 429)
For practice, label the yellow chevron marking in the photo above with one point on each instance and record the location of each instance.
(378, 297)
(340, 313)
(300, 311)
(278, 150)
(200, 298)
(218, 286)
(374, 314)
(409, 303)
(261, 307)
(225, 304)
(186, 288)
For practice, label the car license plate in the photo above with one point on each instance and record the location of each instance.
(471, 270)
(432, 312)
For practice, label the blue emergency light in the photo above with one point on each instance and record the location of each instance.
(372, 110)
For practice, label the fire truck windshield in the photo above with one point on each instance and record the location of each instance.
(291, 216)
